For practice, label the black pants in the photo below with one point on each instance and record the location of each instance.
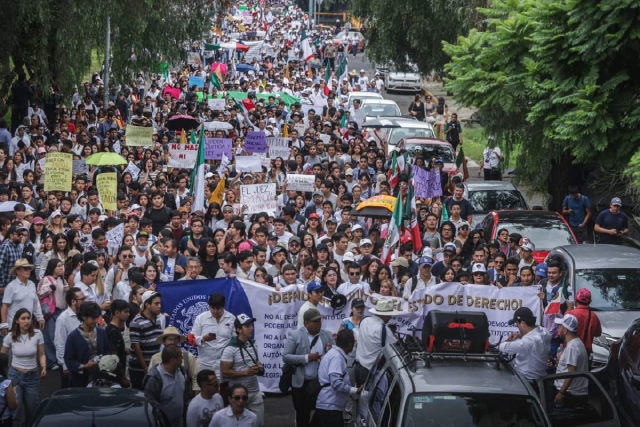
(136, 379)
(302, 407)
(329, 418)
(361, 374)
(492, 174)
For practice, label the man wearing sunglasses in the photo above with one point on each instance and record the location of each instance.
(354, 284)
(235, 415)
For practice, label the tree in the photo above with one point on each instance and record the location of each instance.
(402, 31)
(51, 40)
(555, 78)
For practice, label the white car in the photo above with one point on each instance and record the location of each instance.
(409, 128)
(409, 81)
(361, 96)
(380, 108)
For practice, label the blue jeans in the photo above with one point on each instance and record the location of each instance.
(28, 394)
(49, 333)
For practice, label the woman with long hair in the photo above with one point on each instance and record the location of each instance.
(383, 273)
(135, 301)
(369, 271)
(37, 233)
(72, 267)
(213, 215)
(60, 250)
(44, 255)
(73, 240)
(330, 281)
(417, 108)
(151, 276)
(448, 275)
(208, 254)
(27, 347)
(51, 290)
(55, 223)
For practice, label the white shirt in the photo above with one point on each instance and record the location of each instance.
(18, 295)
(348, 288)
(201, 410)
(209, 352)
(65, 323)
(490, 157)
(532, 353)
(574, 354)
(420, 284)
(303, 309)
(370, 340)
(226, 418)
(311, 368)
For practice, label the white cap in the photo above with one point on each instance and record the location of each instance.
(569, 321)
(147, 295)
(427, 251)
(528, 246)
(365, 242)
(478, 267)
(102, 218)
(135, 206)
(209, 175)
(356, 227)
(348, 256)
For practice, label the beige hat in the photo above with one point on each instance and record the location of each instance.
(384, 307)
(22, 262)
(400, 262)
(169, 331)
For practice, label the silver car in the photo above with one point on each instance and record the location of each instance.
(612, 274)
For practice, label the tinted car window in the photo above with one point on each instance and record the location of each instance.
(429, 151)
(403, 133)
(547, 234)
(611, 288)
(495, 200)
(386, 110)
(437, 410)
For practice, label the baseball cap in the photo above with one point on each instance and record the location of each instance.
(528, 246)
(16, 229)
(37, 220)
(449, 247)
(277, 249)
(312, 315)
(584, 296)
(364, 260)
(244, 247)
(209, 175)
(400, 262)
(569, 321)
(425, 261)
(478, 268)
(541, 270)
(314, 216)
(148, 295)
(464, 224)
(243, 320)
(142, 234)
(616, 201)
(294, 239)
(348, 256)
(313, 286)
(365, 242)
(356, 227)
(357, 302)
(348, 172)
(522, 314)
(322, 247)
(463, 272)
(102, 218)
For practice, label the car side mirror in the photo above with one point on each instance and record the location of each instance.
(537, 208)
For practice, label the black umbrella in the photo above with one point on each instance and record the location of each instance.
(181, 122)
(380, 124)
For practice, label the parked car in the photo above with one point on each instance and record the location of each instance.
(380, 107)
(624, 374)
(408, 80)
(612, 274)
(410, 387)
(488, 196)
(545, 229)
(361, 96)
(437, 148)
(95, 407)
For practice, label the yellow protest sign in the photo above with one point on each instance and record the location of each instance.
(139, 136)
(107, 184)
(58, 171)
(218, 193)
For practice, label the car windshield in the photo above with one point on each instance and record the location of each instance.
(484, 202)
(371, 95)
(437, 151)
(544, 234)
(377, 109)
(611, 288)
(397, 134)
(466, 410)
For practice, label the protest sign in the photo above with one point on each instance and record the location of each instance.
(107, 184)
(58, 172)
(279, 147)
(300, 127)
(80, 167)
(216, 104)
(325, 138)
(276, 312)
(116, 147)
(215, 147)
(248, 164)
(133, 170)
(182, 156)
(427, 183)
(193, 58)
(299, 182)
(114, 238)
(224, 162)
(258, 197)
(255, 142)
(42, 162)
(196, 81)
(138, 136)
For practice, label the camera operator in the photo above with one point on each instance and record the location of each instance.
(240, 365)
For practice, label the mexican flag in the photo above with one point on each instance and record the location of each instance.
(342, 71)
(561, 296)
(393, 232)
(412, 213)
(327, 80)
(307, 53)
(397, 166)
(215, 81)
(197, 178)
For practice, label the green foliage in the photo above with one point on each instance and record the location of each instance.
(402, 31)
(555, 78)
(51, 40)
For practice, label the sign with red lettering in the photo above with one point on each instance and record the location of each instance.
(183, 156)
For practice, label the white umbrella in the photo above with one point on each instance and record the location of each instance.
(7, 206)
(217, 125)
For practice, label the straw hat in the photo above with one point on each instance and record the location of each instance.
(22, 262)
(384, 307)
(169, 331)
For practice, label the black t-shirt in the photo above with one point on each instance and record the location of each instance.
(159, 217)
(116, 345)
(466, 209)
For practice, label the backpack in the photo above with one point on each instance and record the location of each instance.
(414, 282)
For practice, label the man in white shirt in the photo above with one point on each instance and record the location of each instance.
(356, 113)
(572, 392)
(490, 162)
(279, 229)
(212, 331)
(65, 324)
(374, 335)
(354, 284)
(235, 415)
(315, 293)
(424, 280)
(88, 276)
(363, 81)
(530, 345)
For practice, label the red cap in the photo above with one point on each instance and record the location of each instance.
(584, 296)
(314, 215)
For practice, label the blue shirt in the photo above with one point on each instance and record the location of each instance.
(334, 375)
(9, 254)
(579, 206)
(609, 221)
(5, 138)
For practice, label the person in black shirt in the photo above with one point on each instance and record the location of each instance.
(453, 129)
(159, 214)
(119, 315)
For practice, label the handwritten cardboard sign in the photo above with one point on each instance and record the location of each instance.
(255, 142)
(138, 136)
(183, 156)
(427, 183)
(279, 147)
(248, 164)
(58, 172)
(300, 182)
(258, 197)
(214, 147)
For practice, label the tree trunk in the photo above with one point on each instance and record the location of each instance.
(559, 180)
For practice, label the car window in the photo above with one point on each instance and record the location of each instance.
(547, 234)
(486, 201)
(374, 377)
(438, 151)
(392, 405)
(403, 133)
(611, 288)
(471, 409)
(379, 394)
(376, 109)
